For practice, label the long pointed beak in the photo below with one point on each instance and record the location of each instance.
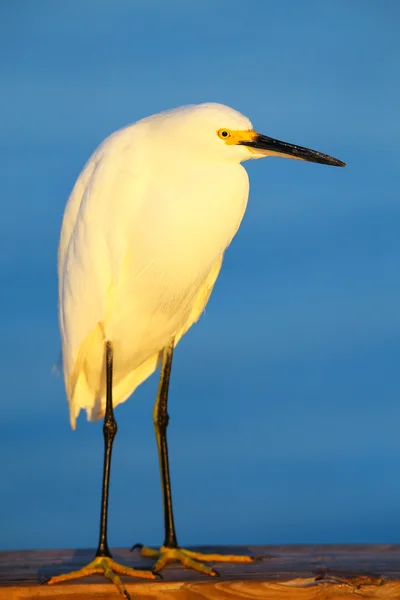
(266, 146)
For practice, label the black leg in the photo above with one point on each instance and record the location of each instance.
(103, 561)
(161, 418)
(170, 550)
(109, 431)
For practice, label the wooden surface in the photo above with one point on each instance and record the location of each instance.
(283, 572)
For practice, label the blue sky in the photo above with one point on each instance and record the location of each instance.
(285, 398)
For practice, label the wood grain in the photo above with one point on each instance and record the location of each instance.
(284, 572)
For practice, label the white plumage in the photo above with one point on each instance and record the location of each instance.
(142, 242)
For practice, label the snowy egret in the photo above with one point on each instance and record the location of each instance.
(142, 242)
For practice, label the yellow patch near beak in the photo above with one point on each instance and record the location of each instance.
(234, 137)
(243, 137)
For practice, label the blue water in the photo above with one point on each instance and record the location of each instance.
(285, 398)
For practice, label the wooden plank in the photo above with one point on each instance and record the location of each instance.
(324, 572)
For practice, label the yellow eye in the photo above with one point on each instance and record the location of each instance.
(224, 134)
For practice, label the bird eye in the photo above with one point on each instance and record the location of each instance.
(224, 133)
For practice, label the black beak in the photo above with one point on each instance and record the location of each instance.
(278, 148)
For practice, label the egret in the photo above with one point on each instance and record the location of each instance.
(142, 242)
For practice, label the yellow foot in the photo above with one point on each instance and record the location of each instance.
(102, 565)
(188, 558)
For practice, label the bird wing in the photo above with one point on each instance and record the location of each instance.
(93, 245)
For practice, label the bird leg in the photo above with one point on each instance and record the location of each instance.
(170, 551)
(103, 562)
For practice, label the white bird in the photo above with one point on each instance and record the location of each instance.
(142, 243)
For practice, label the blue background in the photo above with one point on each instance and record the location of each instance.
(285, 399)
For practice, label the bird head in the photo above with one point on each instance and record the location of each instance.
(217, 132)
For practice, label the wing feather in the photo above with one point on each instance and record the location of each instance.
(104, 198)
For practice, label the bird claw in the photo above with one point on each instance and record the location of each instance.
(188, 558)
(106, 566)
